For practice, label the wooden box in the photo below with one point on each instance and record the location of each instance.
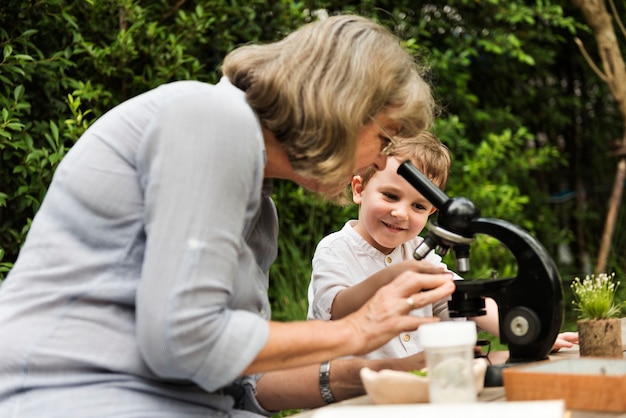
(592, 384)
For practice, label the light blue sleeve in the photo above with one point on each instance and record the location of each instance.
(202, 307)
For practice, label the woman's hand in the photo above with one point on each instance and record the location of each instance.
(386, 314)
(378, 319)
(352, 298)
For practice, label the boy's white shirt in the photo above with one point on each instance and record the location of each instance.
(343, 259)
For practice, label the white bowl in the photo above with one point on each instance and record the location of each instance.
(395, 387)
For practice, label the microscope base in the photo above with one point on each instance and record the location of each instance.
(493, 376)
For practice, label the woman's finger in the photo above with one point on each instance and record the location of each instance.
(421, 266)
(429, 296)
(411, 284)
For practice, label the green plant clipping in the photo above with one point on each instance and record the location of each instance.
(594, 297)
(422, 373)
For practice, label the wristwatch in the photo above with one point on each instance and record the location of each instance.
(327, 395)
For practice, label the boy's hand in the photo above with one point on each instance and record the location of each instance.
(565, 340)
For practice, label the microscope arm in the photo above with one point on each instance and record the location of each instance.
(530, 305)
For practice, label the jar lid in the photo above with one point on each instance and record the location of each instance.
(447, 334)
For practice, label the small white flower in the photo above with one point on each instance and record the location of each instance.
(594, 297)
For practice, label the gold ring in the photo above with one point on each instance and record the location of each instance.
(410, 302)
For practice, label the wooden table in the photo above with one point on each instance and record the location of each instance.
(490, 394)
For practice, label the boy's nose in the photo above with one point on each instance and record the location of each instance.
(399, 213)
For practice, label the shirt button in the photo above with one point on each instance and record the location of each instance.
(406, 338)
(388, 260)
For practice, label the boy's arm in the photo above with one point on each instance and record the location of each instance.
(352, 298)
(489, 322)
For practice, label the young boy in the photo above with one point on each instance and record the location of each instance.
(392, 214)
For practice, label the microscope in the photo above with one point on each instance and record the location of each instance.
(530, 305)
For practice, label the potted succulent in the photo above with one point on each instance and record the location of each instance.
(599, 323)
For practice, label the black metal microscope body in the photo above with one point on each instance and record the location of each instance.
(530, 305)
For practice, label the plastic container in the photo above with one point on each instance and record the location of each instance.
(449, 348)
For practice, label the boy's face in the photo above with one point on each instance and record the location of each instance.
(391, 210)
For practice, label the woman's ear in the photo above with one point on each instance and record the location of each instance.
(357, 189)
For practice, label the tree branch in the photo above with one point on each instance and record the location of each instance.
(618, 21)
(593, 66)
(173, 10)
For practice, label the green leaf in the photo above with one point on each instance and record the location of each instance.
(18, 92)
(55, 132)
(23, 57)
(422, 373)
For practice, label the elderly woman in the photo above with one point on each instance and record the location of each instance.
(141, 289)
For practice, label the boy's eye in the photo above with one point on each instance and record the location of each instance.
(390, 196)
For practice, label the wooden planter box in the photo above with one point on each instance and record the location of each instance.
(591, 384)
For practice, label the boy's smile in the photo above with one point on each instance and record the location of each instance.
(391, 211)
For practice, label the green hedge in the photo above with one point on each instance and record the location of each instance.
(522, 113)
(64, 63)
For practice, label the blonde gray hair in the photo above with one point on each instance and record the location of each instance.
(319, 86)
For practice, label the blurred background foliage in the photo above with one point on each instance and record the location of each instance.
(528, 123)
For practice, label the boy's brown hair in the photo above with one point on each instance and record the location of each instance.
(426, 152)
